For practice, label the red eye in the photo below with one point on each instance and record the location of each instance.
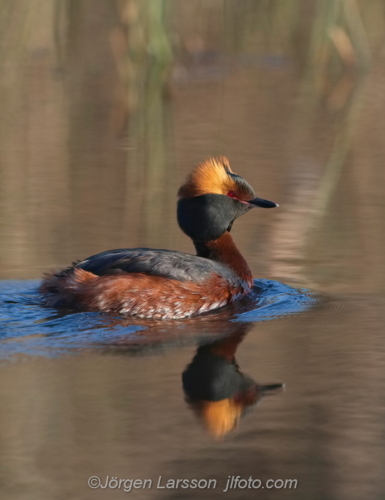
(231, 194)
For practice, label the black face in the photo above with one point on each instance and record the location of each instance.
(207, 217)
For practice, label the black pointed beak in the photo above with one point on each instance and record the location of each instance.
(259, 202)
(271, 388)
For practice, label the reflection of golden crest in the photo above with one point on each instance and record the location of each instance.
(217, 391)
(220, 417)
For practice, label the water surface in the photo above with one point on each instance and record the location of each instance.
(106, 106)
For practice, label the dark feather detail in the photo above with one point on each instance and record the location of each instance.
(243, 187)
(169, 264)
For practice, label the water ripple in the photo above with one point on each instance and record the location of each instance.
(27, 328)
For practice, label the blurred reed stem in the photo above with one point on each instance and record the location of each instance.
(148, 63)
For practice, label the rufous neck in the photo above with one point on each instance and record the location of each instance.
(225, 251)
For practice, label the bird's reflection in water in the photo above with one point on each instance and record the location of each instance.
(218, 392)
(215, 388)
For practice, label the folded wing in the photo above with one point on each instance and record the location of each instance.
(169, 264)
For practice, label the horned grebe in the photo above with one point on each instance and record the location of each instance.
(165, 284)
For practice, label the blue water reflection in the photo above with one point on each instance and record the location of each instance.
(28, 328)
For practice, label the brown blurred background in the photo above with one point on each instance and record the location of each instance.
(106, 105)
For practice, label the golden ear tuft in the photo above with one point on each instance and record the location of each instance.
(222, 160)
(210, 176)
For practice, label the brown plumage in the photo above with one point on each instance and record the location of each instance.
(137, 294)
(162, 284)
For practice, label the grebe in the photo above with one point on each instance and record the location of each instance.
(164, 284)
(215, 388)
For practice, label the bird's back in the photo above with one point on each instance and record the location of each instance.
(156, 262)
